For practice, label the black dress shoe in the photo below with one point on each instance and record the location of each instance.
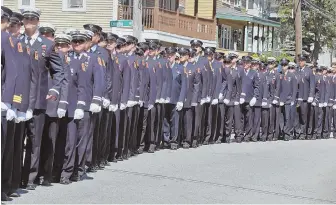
(31, 186)
(65, 181)
(101, 166)
(4, 197)
(173, 146)
(140, 150)
(13, 194)
(151, 148)
(92, 169)
(119, 158)
(238, 139)
(218, 142)
(75, 178)
(46, 183)
(107, 163)
(205, 143)
(194, 144)
(228, 140)
(186, 145)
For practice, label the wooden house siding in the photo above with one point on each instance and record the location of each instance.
(205, 8)
(189, 7)
(97, 12)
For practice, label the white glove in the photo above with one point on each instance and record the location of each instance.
(226, 101)
(220, 97)
(106, 103)
(157, 101)
(208, 99)
(179, 106)
(263, 104)
(310, 99)
(61, 112)
(5, 106)
(320, 104)
(253, 101)
(214, 102)
(131, 103)
(203, 101)
(314, 104)
(193, 104)
(79, 114)
(94, 108)
(161, 101)
(150, 107)
(292, 103)
(236, 103)
(29, 114)
(282, 103)
(20, 117)
(122, 106)
(241, 100)
(141, 103)
(325, 104)
(113, 108)
(167, 99)
(275, 102)
(334, 107)
(11, 114)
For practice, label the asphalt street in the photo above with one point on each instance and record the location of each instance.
(270, 172)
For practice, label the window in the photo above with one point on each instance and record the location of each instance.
(237, 3)
(26, 3)
(74, 5)
(225, 37)
(226, 2)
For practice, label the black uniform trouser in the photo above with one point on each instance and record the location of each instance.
(265, 112)
(132, 145)
(11, 162)
(128, 129)
(158, 123)
(108, 137)
(84, 141)
(317, 125)
(142, 127)
(122, 132)
(256, 122)
(302, 126)
(204, 121)
(197, 110)
(171, 129)
(229, 119)
(3, 132)
(286, 121)
(334, 123)
(70, 125)
(34, 130)
(221, 122)
(188, 118)
(211, 130)
(103, 144)
(273, 128)
(239, 133)
(114, 136)
(48, 144)
(95, 140)
(327, 113)
(151, 126)
(246, 121)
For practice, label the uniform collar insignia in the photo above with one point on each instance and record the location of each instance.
(21, 37)
(71, 54)
(39, 39)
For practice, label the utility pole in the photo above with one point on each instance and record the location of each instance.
(137, 19)
(298, 27)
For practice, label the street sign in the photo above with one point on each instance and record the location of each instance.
(122, 23)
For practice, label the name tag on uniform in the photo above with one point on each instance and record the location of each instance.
(83, 67)
(44, 48)
(20, 48)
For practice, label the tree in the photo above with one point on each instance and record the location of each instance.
(319, 26)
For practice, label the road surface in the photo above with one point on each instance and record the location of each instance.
(270, 172)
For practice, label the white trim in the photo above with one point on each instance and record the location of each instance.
(66, 8)
(20, 6)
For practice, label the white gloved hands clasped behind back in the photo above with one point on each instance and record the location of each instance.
(94, 108)
(61, 112)
(79, 114)
(29, 114)
(106, 103)
(11, 114)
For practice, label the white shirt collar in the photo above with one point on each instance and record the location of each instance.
(172, 65)
(33, 37)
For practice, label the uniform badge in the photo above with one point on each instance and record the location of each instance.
(11, 41)
(44, 48)
(99, 61)
(116, 60)
(160, 65)
(198, 70)
(28, 50)
(135, 64)
(319, 81)
(146, 65)
(103, 63)
(83, 67)
(143, 62)
(20, 48)
(154, 69)
(36, 55)
(72, 71)
(189, 72)
(86, 64)
(280, 77)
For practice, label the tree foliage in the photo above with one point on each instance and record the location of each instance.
(318, 25)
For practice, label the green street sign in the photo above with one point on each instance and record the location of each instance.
(122, 23)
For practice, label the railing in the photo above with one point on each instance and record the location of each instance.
(172, 22)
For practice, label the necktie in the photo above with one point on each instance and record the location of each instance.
(28, 39)
(77, 56)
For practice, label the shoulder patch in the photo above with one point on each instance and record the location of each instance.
(99, 61)
(11, 41)
(36, 55)
(19, 47)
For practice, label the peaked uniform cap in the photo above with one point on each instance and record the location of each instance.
(79, 35)
(31, 12)
(111, 36)
(63, 38)
(92, 27)
(196, 42)
(16, 18)
(6, 12)
(47, 28)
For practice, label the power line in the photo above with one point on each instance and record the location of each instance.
(318, 10)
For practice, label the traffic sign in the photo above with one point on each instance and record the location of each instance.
(122, 23)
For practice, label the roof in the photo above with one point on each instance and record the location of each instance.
(233, 14)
